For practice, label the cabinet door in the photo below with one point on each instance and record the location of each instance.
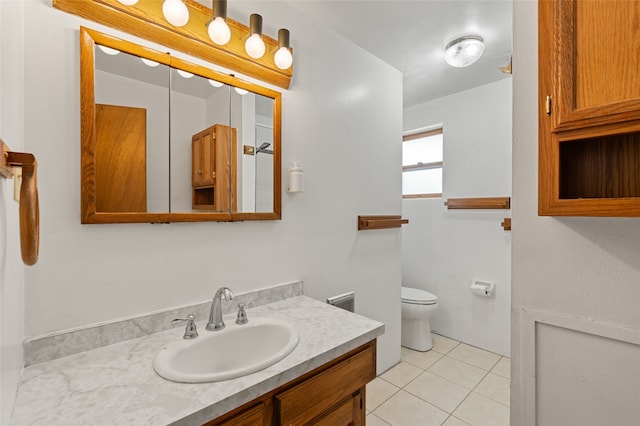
(203, 158)
(349, 412)
(196, 161)
(589, 115)
(588, 52)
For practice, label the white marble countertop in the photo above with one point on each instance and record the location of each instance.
(116, 384)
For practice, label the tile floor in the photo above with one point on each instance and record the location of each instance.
(453, 384)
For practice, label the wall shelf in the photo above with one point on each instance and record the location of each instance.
(497, 203)
(380, 222)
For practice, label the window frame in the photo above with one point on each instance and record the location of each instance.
(423, 166)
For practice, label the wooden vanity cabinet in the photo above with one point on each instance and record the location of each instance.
(589, 108)
(213, 168)
(331, 395)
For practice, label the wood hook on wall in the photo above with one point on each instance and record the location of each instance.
(29, 205)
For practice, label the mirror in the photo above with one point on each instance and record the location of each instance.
(165, 140)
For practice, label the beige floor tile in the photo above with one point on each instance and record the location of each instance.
(443, 344)
(402, 374)
(404, 409)
(440, 392)
(423, 360)
(458, 372)
(495, 387)
(378, 391)
(454, 421)
(475, 356)
(503, 367)
(373, 420)
(479, 410)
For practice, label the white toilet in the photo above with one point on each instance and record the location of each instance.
(417, 307)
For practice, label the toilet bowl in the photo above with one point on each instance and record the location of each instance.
(417, 306)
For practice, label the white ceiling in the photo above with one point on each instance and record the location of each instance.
(411, 35)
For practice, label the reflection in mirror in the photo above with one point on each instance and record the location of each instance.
(252, 114)
(202, 166)
(131, 133)
(159, 144)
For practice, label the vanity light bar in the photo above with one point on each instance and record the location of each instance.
(176, 12)
(145, 19)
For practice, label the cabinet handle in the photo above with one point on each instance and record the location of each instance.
(548, 105)
(199, 172)
(213, 175)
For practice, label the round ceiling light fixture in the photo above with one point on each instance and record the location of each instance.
(464, 51)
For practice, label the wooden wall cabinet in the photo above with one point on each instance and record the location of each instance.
(332, 395)
(213, 169)
(589, 108)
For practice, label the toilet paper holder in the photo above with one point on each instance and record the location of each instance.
(482, 288)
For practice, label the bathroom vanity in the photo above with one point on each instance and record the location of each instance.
(333, 394)
(322, 381)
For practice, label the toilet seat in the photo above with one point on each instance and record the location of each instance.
(416, 296)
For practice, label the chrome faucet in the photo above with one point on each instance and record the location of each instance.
(215, 315)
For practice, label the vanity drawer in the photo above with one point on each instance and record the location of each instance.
(346, 413)
(306, 401)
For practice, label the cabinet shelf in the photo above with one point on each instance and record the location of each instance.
(603, 167)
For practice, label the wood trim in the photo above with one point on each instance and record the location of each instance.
(479, 203)
(145, 20)
(380, 222)
(421, 135)
(506, 224)
(435, 195)
(422, 166)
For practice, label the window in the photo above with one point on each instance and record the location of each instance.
(422, 164)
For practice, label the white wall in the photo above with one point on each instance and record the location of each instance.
(582, 273)
(339, 122)
(443, 251)
(11, 267)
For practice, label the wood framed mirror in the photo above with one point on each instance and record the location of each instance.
(166, 140)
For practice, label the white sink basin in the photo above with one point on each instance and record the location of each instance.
(235, 351)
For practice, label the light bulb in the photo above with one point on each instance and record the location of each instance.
(240, 91)
(128, 2)
(219, 31)
(185, 74)
(283, 58)
(215, 83)
(149, 62)
(176, 12)
(254, 46)
(108, 50)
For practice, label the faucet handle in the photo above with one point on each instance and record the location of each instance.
(242, 314)
(190, 331)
